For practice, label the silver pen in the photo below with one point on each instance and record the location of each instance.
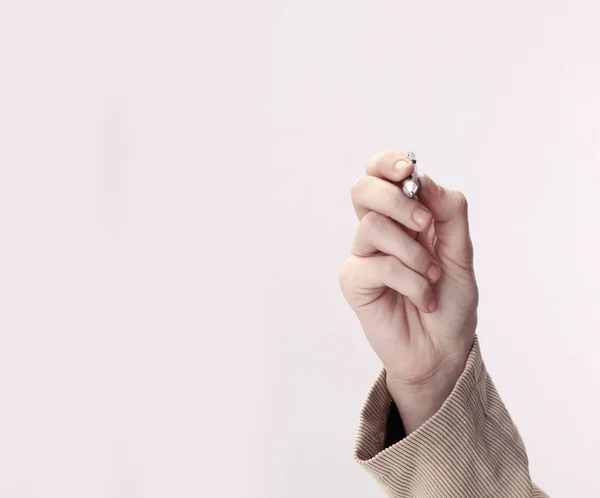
(410, 185)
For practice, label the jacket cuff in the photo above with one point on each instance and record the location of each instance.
(469, 445)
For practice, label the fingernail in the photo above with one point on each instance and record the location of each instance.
(400, 166)
(433, 273)
(433, 304)
(421, 216)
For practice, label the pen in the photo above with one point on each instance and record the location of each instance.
(411, 184)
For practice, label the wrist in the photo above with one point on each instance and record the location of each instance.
(419, 401)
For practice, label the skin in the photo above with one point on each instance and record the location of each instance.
(410, 280)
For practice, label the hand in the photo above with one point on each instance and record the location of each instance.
(409, 278)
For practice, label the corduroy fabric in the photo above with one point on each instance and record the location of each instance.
(470, 448)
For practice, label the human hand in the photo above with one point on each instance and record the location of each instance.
(409, 278)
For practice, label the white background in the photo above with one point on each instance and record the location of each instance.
(174, 208)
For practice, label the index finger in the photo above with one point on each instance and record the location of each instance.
(394, 166)
(390, 165)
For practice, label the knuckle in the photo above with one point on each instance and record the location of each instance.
(358, 186)
(374, 161)
(345, 273)
(461, 201)
(372, 222)
(422, 289)
(389, 264)
(417, 255)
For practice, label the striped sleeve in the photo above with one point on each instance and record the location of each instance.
(469, 448)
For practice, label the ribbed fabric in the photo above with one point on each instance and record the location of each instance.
(469, 448)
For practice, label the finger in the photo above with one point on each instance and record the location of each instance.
(450, 211)
(370, 193)
(378, 233)
(394, 166)
(427, 239)
(390, 165)
(386, 270)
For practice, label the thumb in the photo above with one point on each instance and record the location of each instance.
(451, 218)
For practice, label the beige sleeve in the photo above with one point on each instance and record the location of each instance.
(469, 448)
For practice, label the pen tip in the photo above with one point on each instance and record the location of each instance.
(410, 188)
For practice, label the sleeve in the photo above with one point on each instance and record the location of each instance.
(469, 448)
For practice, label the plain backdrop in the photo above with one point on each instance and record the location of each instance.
(175, 206)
